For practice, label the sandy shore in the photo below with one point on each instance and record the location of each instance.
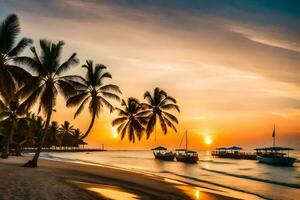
(63, 180)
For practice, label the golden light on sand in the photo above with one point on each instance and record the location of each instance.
(114, 132)
(208, 140)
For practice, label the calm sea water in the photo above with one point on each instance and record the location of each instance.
(249, 176)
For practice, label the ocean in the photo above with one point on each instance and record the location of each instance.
(260, 181)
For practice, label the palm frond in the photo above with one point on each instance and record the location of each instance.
(66, 88)
(170, 124)
(30, 101)
(76, 99)
(110, 87)
(111, 95)
(20, 75)
(31, 63)
(73, 60)
(151, 125)
(149, 98)
(9, 30)
(80, 108)
(118, 121)
(19, 48)
(167, 99)
(107, 104)
(163, 124)
(170, 106)
(121, 112)
(171, 117)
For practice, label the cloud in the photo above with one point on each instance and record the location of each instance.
(270, 36)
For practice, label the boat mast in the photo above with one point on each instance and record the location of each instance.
(186, 140)
(273, 135)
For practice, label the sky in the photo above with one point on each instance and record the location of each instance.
(233, 66)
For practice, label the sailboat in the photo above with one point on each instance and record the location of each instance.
(185, 155)
(161, 153)
(275, 155)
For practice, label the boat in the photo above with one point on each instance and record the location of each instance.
(275, 155)
(161, 153)
(185, 155)
(233, 152)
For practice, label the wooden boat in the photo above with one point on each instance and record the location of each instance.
(162, 154)
(233, 152)
(185, 155)
(275, 155)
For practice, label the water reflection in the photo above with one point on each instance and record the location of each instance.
(106, 191)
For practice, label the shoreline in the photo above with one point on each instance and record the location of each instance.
(75, 179)
(63, 150)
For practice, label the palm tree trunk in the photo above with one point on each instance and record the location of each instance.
(90, 127)
(33, 163)
(7, 141)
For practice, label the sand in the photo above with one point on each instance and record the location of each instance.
(55, 180)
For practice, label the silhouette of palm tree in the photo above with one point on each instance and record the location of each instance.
(53, 136)
(45, 86)
(66, 128)
(157, 105)
(11, 76)
(92, 89)
(132, 119)
(12, 115)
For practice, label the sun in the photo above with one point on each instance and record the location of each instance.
(208, 140)
(114, 132)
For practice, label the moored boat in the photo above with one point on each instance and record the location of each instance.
(233, 152)
(161, 153)
(275, 155)
(185, 155)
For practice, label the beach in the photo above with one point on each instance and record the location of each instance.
(65, 180)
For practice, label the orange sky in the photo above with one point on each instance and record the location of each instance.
(234, 75)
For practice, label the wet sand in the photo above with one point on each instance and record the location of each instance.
(65, 180)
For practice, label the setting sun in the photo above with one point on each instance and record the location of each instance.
(208, 140)
(114, 132)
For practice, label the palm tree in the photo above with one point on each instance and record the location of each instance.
(53, 136)
(45, 85)
(157, 105)
(66, 132)
(77, 133)
(132, 119)
(11, 76)
(14, 118)
(92, 89)
(66, 128)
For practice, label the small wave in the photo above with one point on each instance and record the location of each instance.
(216, 184)
(216, 162)
(57, 158)
(245, 169)
(292, 185)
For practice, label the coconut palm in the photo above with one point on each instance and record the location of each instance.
(13, 118)
(11, 76)
(77, 133)
(94, 91)
(132, 119)
(158, 106)
(53, 137)
(66, 128)
(46, 83)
